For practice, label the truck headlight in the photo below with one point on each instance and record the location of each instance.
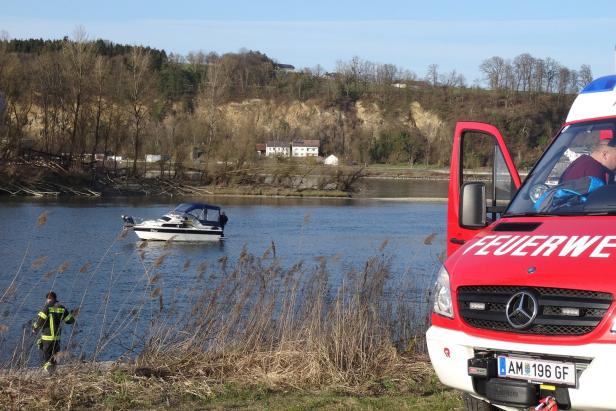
(442, 294)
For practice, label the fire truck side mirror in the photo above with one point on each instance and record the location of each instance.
(473, 205)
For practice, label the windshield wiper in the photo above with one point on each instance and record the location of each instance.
(599, 212)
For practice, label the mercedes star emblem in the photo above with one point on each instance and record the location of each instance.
(522, 310)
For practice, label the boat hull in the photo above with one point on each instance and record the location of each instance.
(161, 234)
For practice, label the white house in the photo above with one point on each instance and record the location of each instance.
(331, 160)
(305, 148)
(277, 149)
(153, 158)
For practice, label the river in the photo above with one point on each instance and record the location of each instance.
(79, 252)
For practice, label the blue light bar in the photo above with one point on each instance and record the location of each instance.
(606, 83)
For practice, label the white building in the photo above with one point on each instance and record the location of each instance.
(153, 158)
(306, 148)
(277, 149)
(331, 160)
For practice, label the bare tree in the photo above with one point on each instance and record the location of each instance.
(4, 58)
(50, 90)
(574, 81)
(214, 90)
(432, 74)
(524, 65)
(317, 71)
(407, 75)
(100, 75)
(356, 74)
(563, 80)
(538, 75)
(198, 63)
(453, 79)
(18, 97)
(4, 55)
(494, 69)
(386, 74)
(585, 75)
(551, 73)
(138, 90)
(509, 79)
(78, 60)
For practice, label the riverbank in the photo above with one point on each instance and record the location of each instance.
(132, 387)
(295, 180)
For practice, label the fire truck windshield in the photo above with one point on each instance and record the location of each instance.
(575, 176)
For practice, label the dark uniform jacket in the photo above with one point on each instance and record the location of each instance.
(584, 166)
(50, 321)
(222, 220)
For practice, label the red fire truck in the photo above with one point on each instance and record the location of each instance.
(524, 304)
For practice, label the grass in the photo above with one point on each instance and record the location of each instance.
(253, 334)
(80, 388)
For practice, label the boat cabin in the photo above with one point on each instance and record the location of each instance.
(205, 213)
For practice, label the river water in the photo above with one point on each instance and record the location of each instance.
(79, 252)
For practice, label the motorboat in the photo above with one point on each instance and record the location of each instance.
(187, 222)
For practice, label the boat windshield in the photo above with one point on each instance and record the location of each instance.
(205, 213)
(575, 176)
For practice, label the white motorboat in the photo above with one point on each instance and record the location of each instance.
(187, 222)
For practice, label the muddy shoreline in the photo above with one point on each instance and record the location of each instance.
(45, 183)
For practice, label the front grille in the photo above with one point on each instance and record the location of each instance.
(550, 319)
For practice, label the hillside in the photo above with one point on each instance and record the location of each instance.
(76, 97)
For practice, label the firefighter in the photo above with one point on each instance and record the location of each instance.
(49, 321)
(222, 219)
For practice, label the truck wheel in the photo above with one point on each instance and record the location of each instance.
(475, 404)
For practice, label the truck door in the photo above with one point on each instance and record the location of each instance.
(481, 160)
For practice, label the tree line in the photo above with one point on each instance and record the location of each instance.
(78, 96)
(530, 74)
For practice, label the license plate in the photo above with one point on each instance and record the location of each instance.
(537, 370)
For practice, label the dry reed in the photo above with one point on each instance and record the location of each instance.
(262, 324)
(38, 262)
(42, 219)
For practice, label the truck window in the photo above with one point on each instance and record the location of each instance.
(504, 186)
(574, 176)
(477, 160)
(482, 161)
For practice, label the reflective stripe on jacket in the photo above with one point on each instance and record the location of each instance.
(50, 321)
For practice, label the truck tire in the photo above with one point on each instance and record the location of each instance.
(475, 404)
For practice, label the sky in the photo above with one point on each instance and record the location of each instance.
(456, 35)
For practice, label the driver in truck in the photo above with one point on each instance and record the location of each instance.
(601, 163)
